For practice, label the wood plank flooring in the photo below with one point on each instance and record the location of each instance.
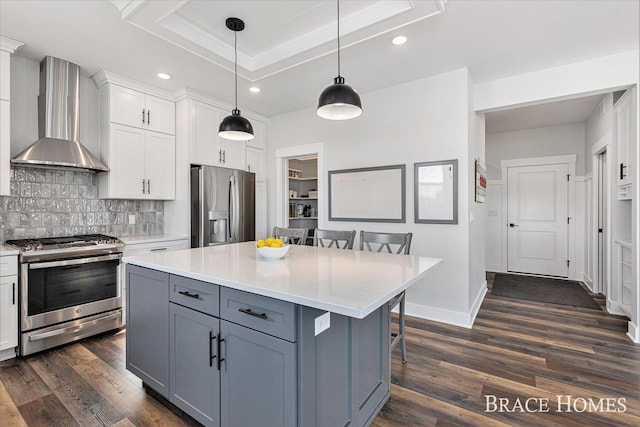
(516, 350)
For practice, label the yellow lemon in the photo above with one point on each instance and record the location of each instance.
(269, 241)
(260, 243)
(277, 244)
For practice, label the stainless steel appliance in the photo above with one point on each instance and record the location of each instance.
(69, 289)
(222, 206)
(59, 120)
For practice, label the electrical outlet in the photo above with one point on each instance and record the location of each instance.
(322, 323)
(132, 219)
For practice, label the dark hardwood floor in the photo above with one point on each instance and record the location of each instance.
(517, 350)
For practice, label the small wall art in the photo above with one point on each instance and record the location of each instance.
(481, 181)
(436, 192)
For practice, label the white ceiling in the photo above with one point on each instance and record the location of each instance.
(188, 40)
(550, 114)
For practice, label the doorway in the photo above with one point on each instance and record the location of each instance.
(539, 206)
(309, 186)
(601, 216)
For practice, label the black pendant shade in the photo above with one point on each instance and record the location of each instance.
(339, 101)
(235, 127)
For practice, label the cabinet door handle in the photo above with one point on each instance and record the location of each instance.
(253, 313)
(148, 186)
(249, 168)
(512, 225)
(158, 249)
(13, 290)
(211, 355)
(143, 187)
(219, 156)
(143, 116)
(189, 294)
(224, 156)
(148, 117)
(622, 168)
(219, 352)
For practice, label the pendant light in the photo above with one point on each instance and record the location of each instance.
(339, 101)
(235, 127)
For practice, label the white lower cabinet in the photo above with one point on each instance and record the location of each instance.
(8, 306)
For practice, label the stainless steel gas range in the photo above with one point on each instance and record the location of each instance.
(69, 289)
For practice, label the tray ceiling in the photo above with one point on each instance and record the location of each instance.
(288, 33)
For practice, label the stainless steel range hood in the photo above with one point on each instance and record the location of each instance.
(59, 120)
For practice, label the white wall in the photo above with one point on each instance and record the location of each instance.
(424, 120)
(539, 142)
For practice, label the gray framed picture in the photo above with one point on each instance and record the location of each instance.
(375, 194)
(436, 192)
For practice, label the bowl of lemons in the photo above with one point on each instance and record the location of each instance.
(271, 248)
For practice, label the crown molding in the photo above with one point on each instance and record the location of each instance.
(9, 45)
(103, 77)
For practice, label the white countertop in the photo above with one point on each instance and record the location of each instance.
(6, 251)
(134, 240)
(351, 283)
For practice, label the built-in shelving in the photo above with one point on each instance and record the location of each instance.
(303, 187)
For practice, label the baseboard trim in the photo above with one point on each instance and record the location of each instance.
(586, 280)
(615, 308)
(633, 332)
(7, 354)
(449, 317)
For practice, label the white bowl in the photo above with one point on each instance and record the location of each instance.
(273, 253)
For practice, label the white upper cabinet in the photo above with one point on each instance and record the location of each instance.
(256, 162)
(7, 47)
(204, 134)
(136, 141)
(259, 133)
(5, 72)
(625, 131)
(133, 108)
(206, 147)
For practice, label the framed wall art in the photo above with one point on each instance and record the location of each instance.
(375, 194)
(436, 192)
(481, 182)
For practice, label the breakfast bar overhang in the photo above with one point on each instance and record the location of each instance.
(234, 339)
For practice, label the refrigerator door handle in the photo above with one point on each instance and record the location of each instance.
(234, 208)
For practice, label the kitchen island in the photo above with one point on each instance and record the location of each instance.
(233, 339)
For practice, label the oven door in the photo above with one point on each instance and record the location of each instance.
(58, 291)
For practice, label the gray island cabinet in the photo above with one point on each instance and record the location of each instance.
(234, 346)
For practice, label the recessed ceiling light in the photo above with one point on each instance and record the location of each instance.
(164, 76)
(254, 89)
(399, 40)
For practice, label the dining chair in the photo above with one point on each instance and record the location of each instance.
(398, 243)
(292, 236)
(341, 239)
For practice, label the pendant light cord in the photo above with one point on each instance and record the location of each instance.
(338, 2)
(235, 49)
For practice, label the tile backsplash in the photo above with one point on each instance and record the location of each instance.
(62, 202)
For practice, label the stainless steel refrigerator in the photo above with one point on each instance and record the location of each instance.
(222, 206)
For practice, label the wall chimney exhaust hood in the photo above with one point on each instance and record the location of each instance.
(59, 120)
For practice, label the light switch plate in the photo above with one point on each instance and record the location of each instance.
(132, 219)
(322, 323)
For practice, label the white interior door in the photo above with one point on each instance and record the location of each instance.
(537, 203)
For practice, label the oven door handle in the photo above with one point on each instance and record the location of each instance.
(62, 263)
(74, 328)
